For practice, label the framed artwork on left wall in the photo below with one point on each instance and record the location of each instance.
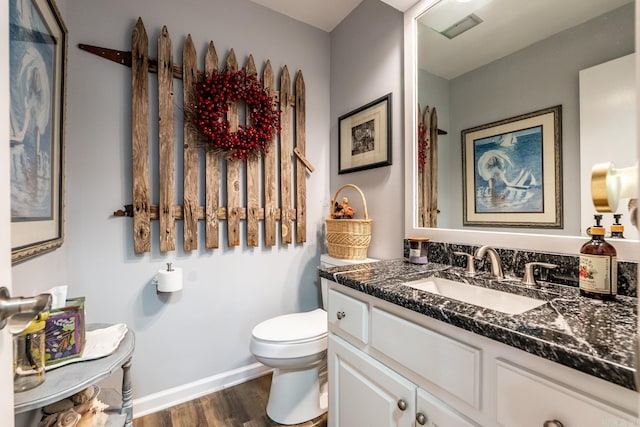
(37, 61)
(364, 137)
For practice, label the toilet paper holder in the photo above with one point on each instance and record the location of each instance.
(169, 280)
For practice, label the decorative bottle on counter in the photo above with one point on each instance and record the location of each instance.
(617, 229)
(598, 265)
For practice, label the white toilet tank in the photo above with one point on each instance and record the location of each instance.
(327, 261)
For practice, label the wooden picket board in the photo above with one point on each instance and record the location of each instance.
(421, 171)
(165, 139)
(233, 169)
(301, 169)
(285, 156)
(212, 171)
(253, 183)
(269, 171)
(291, 101)
(433, 150)
(428, 176)
(190, 153)
(140, 138)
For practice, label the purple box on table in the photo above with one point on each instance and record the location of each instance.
(65, 332)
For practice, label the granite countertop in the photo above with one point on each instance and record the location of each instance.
(589, 335)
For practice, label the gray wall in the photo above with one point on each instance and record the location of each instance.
(204, 330)
(366, 63)
(543, 75)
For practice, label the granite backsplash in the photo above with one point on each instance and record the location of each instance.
(513, 261)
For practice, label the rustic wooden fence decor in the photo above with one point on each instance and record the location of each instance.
(428, 166)
(289, 142)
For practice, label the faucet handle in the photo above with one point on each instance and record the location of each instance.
(529, 279)
(471, 268)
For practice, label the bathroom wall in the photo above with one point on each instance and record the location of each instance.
(201, 333)
(366, 63)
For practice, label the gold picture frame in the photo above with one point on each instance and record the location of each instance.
(512, 171)
(38, 65)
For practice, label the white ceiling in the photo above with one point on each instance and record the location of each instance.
(507, 27)
(323, 14)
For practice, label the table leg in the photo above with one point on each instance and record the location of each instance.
(127, 394)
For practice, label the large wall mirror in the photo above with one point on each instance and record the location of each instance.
(478, 62)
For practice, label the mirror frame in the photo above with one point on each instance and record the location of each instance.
(626, 250)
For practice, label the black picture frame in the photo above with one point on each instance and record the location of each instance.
(364, 137)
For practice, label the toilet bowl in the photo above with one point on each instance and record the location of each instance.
(295, 346)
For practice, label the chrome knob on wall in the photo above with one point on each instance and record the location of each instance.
(19, 312)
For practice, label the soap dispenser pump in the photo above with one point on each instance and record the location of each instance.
(598, 265)
(617, 229)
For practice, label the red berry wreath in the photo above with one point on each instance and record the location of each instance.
(423, 146)
(213, 96)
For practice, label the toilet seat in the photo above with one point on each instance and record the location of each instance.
(291, 335)
(293, 328)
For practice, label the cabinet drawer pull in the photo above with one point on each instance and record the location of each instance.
(341, 315)
(421, 418)
(402, 404)
(552, 423)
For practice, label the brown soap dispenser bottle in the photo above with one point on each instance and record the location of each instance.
(598, 265)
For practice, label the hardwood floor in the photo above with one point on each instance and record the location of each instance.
(243, 405)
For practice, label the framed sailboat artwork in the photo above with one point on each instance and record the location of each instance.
(512, 172)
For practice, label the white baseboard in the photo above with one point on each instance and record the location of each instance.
(158, 401)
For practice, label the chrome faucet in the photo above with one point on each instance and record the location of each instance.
(496, 264)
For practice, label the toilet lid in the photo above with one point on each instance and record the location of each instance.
(293, 327)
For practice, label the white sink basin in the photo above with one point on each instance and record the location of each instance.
(484, 297)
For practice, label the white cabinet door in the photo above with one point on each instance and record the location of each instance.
(432, 412)
(363, 392)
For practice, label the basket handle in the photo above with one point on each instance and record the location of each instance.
(364, 201)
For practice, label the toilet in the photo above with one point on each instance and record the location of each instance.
(295, 346)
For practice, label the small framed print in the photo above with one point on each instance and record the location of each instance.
(364, 137)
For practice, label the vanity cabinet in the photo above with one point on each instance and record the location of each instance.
(390, 366)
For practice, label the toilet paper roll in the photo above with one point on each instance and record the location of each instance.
(169, 281)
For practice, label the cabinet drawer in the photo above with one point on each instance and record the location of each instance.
(348, 315)
(438, 414)
(526, 399)
(449, 364)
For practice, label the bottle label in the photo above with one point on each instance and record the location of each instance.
(599, 274)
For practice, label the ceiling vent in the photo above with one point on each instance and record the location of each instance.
(465, 24)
